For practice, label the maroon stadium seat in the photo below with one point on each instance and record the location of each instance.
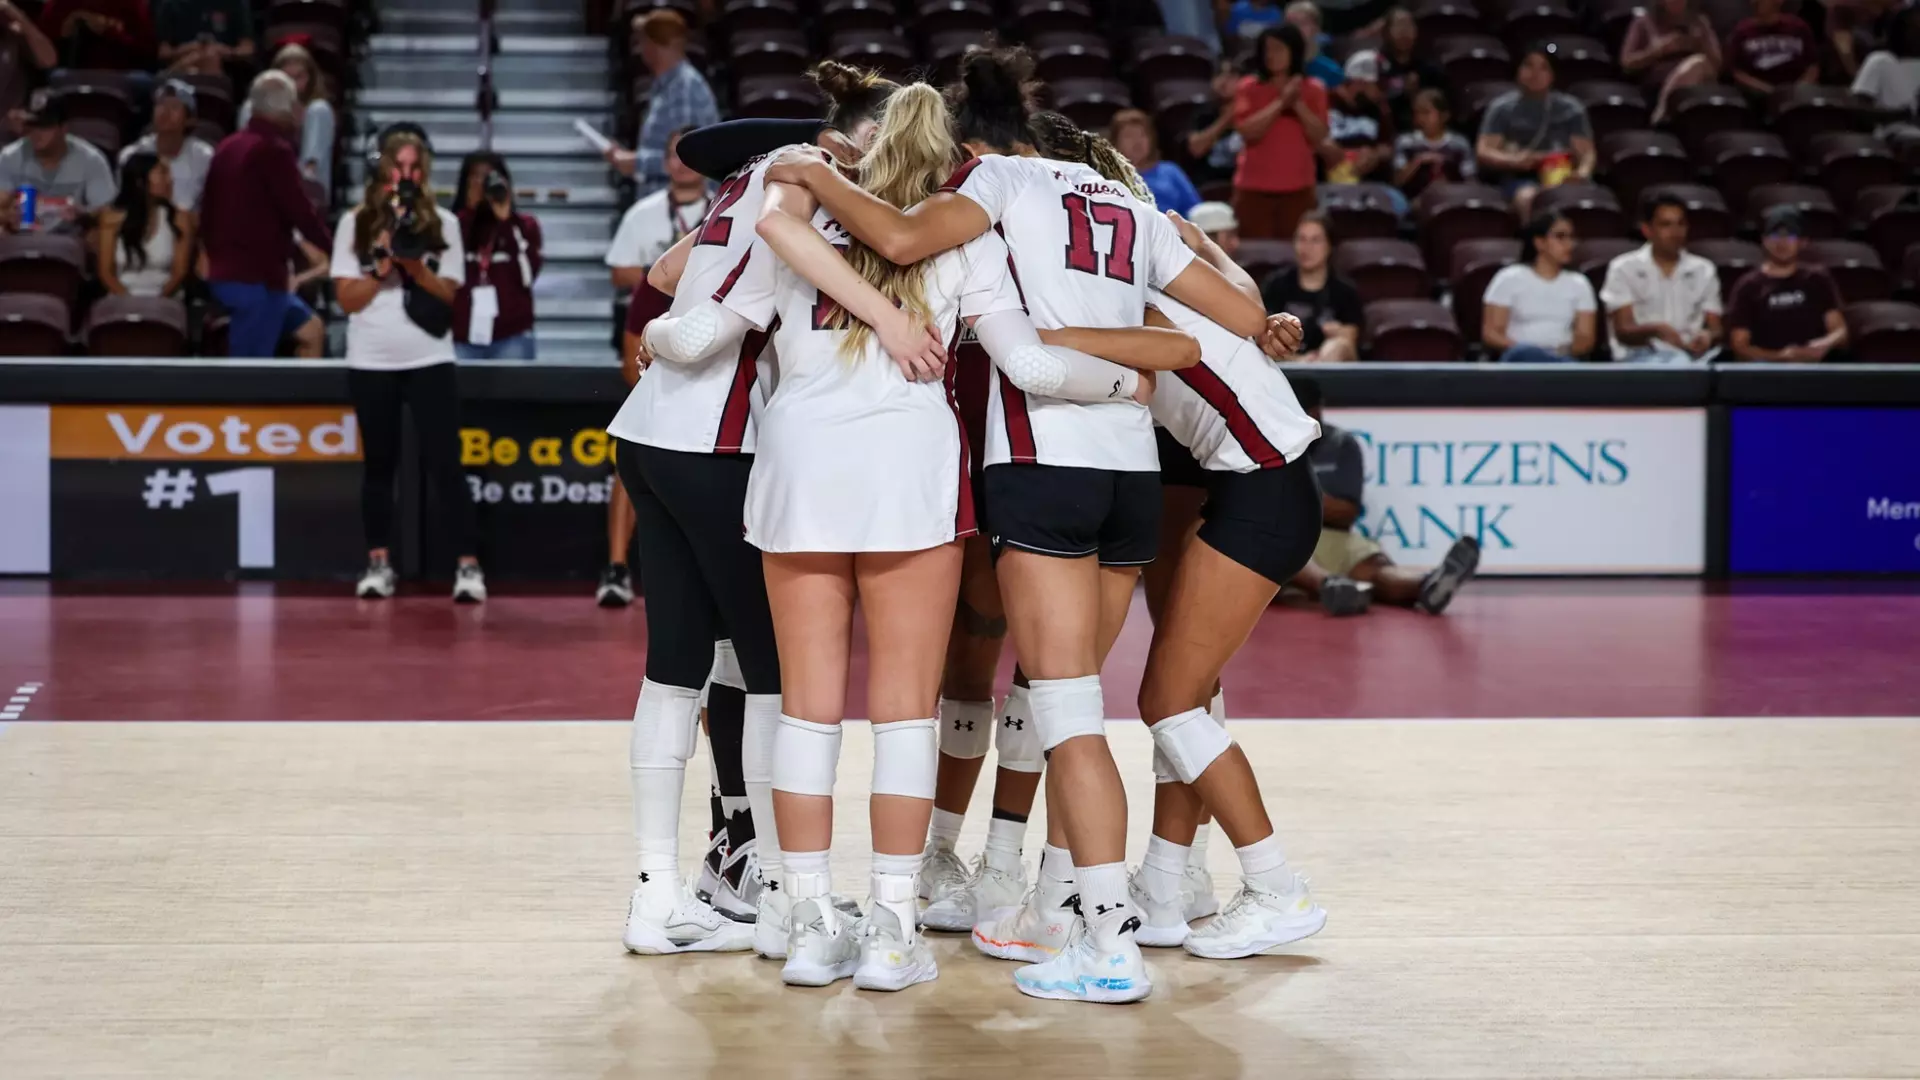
(1526, 23)
(1159, 58)
(1910, 268)
(1818, 215)
(1611, 106)
(39, 263)
(885, 51)
(1450, 213)
(328, 13)
(1695, 112)
(1848, 162)
(1383, 269)
(1612, 17)
(1578, 58)
(1091, 103)
(1594, 210)
(1031, 18)
(1633, 161)
(1411, 331)
(1591, 257)
(838, 16)
(768, 52)
(1261, 257)
(1855, 267)
(1883, 332)
(1888, 216)
(974, 18)
(214, 105)
(1743, 160)
(1071, 54)
(1175, 104)
(136, 326)
(791, 97)
(1708, 216)
(1446, 18)
(1731, 259)
(1799, 112)
(32, 324)
(1474, 58)
(105, 135)
(1474, 264)
(944, 50)
(1360, 211)
(741, 15)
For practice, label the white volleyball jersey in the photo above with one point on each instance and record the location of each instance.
(854, 456)
(1234, 410)
(713, 407)
(1085, 252)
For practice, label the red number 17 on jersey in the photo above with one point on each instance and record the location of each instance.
(1082, 215)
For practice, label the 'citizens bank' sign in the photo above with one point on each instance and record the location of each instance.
(1576, 491)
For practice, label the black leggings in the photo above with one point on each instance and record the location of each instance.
(431, 394)
(701, 579)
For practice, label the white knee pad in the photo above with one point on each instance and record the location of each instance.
(806, 756)
(665, 721)
(1017, 738)
(1067, 709)
(1163, 769)
(905, 758)
(726, 667)
(1189, 742)
(966, 727)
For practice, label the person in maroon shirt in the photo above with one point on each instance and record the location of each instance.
(251, 207)
(503, 254)
(1771, 49)
(112, 35)
(1783, 312)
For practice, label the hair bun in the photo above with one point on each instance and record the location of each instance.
(997, 78)
(841, 81)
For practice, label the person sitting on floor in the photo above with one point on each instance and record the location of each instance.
(1348, 567)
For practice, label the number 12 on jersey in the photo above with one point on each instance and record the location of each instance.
(1082, 215)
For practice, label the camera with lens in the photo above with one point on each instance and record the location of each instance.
(409, 233)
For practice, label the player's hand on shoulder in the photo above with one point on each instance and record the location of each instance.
(1283, 336)
(793, 167)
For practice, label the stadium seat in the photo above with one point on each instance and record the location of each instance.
(1474, 264)
(1612, 17)
(1855, 266)
(1473, 58)
(741, 15)
(1694, 112)
(213, 104)
(1175, 104)
(1450, 213)
(1632, 161)
(1731, 259)
(1591, 257)
(136, 326)
(973, 18)
(885, 51)
(1819, 217)
(105, 135)
(1743, 160)
(1383, 269)
(1708, 216)
(1091, 103)
(40, 263)
(839, 16)
(1359, 211)
(780, 96)
(1439, 19)
(945, 48)
(1799, 112)
(1261, 257)
(1578, 58)
(768, 52)
(1071, 54)
(1847, 162)
(1910, 269)
(1888, 216)
(1593, 209)
(1412, 332)
(1032, 18)
(210, 133)
(32, 324)
(1611, 106)
(107, 101)
(1528, 22)
(1158, 58)
(328, 13)
(1883, 332)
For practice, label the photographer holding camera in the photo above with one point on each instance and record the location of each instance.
(493, 314)
(392, 255)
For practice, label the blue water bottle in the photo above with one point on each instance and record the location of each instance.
(29, 206)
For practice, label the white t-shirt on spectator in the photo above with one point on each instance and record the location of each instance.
(380, 336)
(1541, 311)
(650, 226)
(1682, 301)
(189, 167)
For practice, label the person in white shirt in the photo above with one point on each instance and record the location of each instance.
(1663, 301)
(1072, 489)
(186, 155)
(1540, 310)
(652, 224)
(397, 264)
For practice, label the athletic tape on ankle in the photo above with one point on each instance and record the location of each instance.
(966, 728)
(905, 758)
(1017, 738)
(726, 666)
(1190, 741)
(665, 721)
(806, 757)
(762, 723)
(1067, 709)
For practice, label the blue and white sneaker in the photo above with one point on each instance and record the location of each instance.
(1112, 972)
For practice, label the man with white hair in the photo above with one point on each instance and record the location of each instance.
(253, 205)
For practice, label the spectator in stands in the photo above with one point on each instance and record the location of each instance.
(316, 115)
(1217, 221)
(1360, 132)
(70, 177)
(145, 244)
(1248, 19)
(1327, 305)
(1771, 48)
(681, 99)
(1782, 311)
(651, 225)
(187, 156)
(1282, 116)
(1535, 136)
(1540, 310)
(1305, 17)
(493, 313)
(254, 204)
(1854, 29)
(1889, 79)
(200, 37)
(1403, 74)
(1213, 146)
(1132, 134)
(109, 35)
(1670, 45)
(1348, 568)
(24, 52)
(1431, 153)
(1662, 301)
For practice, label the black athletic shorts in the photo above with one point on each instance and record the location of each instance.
(1177, 467)
(1072, 513)
(1267, 520)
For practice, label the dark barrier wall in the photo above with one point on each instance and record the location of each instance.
(196, 469)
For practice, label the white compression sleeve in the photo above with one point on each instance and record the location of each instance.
(1050, 370)
(705, 331)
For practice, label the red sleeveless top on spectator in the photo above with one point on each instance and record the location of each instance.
(253, 204)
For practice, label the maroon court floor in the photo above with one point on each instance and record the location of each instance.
(1507, 649)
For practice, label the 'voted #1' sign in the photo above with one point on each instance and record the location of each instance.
(1573, 491)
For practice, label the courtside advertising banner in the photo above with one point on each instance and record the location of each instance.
(1545, 491)
(1824, 491)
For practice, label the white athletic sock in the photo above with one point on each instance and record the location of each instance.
(1056, 876)
(1103, 896)
(809, 876)
(895, 887)
(1265, 864)
(756, 769)
(1197, 851)
(944, 832)
(1162, 869)
(1004, 839)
